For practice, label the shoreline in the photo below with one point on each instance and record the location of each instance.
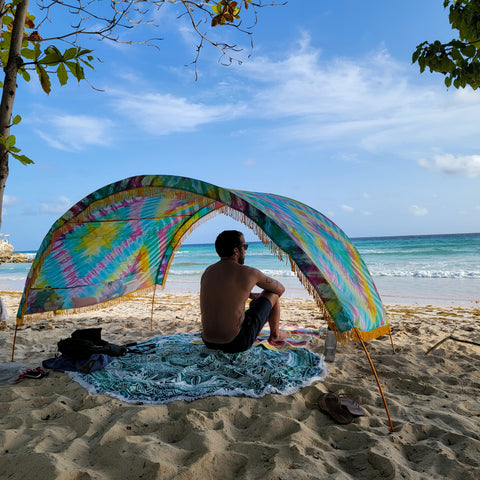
(300, 293)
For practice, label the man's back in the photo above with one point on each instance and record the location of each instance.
(225, 288)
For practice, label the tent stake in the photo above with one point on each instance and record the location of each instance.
(14, 340)
(391, 340)
(153, 302)
(376, 378)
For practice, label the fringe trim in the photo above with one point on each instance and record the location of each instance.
(34, 317)
(378, 332)
(343, 337)
(351, 335)
(276, 250)
(150, 191)
(185, 232)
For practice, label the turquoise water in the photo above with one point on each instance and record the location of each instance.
(438, 269)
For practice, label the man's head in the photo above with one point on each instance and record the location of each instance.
(230, 243)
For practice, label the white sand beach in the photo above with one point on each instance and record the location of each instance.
(52, 428)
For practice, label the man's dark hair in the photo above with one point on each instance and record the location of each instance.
(227, 241)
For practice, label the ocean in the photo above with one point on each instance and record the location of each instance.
(426, 269)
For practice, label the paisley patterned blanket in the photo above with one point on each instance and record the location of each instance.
(179, 367)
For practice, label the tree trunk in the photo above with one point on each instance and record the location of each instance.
(9, 89)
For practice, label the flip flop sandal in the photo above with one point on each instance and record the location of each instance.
(36, 373)
(352, 406)
(330, 404)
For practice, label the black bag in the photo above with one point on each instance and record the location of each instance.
(92, 334)
(87, 342)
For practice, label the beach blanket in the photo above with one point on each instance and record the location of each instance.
(177, 367)
(299, 338)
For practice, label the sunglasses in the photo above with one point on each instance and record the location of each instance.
(244, 246)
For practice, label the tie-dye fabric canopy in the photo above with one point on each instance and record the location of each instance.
(121, 239)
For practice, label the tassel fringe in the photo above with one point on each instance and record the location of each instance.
(34, 317)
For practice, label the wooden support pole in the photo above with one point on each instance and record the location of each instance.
(14, 340)
(376, 378)
(153, 303)
(391, 340)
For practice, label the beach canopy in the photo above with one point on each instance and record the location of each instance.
(121, 239)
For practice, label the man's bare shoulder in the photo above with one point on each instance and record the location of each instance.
(250, 271)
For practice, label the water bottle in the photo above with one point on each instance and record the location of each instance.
(3, 311)
(330, 346)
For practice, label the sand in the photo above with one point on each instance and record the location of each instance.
(53, 428)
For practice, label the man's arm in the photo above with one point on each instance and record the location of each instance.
(270, 285)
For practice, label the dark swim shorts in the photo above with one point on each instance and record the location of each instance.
(255, 318)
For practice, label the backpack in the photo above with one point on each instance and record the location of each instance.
(86, 342)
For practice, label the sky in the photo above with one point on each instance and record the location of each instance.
(327, 109)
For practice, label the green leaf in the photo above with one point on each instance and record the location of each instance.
(84, 51)
(468, 51)
(70, 53)
(86, 63)
(62, 74)
(416, 54)
(421, 63)
(10, 142)
(28, 53)
(457, 56)
(53, 56)
(24, 74)
(76, 69)
(23, 159)
(38, 52)
(4, 57)
(44, 78)
(6, 20)
(16, 119)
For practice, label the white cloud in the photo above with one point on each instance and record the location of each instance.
(250, 162)
(348, 157)
(347, 208)
(162, 114)
(365, 104)
(418, 211)
(76, 132)
(468, 165)
(368, 103)
(367, 214)
(55, 207)
(10, 201)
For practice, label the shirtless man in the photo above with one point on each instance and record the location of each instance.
(224, 289)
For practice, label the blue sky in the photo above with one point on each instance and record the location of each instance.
(328, 110)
